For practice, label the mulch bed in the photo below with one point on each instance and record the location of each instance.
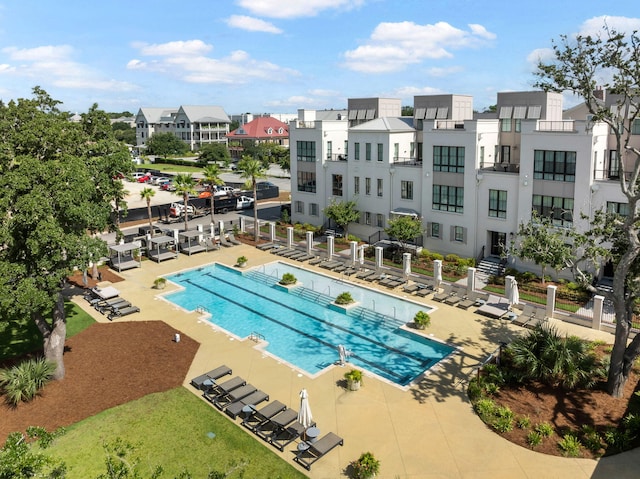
(106, 365)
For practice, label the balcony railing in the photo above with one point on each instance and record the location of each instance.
(407, 161)
(502, 167)
(449, 125)
(337, 157)
(610, 175)
(305, 124)
(563, 125)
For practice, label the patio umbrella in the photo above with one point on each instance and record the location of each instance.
(437, 272)
(304, 414)
(361, 255)
(406, 265)
(513, 295)
(343, 354)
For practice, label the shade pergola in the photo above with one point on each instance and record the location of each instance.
(189, 243)
(159, 248)
(121, 256)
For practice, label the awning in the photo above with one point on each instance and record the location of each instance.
(405, 212)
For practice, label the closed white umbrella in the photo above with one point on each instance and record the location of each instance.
(304, 414)
(513, 295)
(343, 354)
(437, 272)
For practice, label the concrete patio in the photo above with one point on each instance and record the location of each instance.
(427, 430)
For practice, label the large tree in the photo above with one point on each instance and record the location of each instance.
(56, 185)
(404, 228)
(252, 170)
(165, 144)
(585, 65)
(185, 186)
(215, 153)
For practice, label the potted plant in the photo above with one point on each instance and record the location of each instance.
(365, 467)
(288, 278)
(159, 283)
(344, 298)
(422, 320)
(242, 261)
(354, 379)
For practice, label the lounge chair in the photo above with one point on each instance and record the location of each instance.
(262, 415)
(223, 400)
(411, 288)
(330, 265)
(225, 242)
(376, 276)
(206, 380)
(444, 294)
(276, 424)
(495, 307)
(530, 316)
(296, 255)
(364, 274)
(99, 302)
(123, 303)
(304, 257)
(266, 246)
(283, 251)
(316, 450)
(316, 261)
(458, 293)
(237, 407)
(118, 313)
(341, 268)
(223, 388)
(285, 436)
(233, 240)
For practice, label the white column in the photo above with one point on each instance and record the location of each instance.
(598, 304)
(551, 299)
(243, 225)
(289, 236)
(221, 227)
(272, 231)
(406, 265)
(309, 242)
(353, 249)
(378, 257)
(199, 228)
(330, 247)
(213, 230)
(471, 280)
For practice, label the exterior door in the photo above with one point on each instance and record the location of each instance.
(498, 243)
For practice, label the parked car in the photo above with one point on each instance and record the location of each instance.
(225, 190)
(263, 185)
(168, 186)
(136, 176)
(159, 179)
(146, 178)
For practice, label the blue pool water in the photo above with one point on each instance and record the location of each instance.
(302, 327)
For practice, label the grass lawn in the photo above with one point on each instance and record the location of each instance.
(21, 336)
(173, 430)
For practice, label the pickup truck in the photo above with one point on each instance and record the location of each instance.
(220, 204)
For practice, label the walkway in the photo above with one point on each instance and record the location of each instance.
(425, 431)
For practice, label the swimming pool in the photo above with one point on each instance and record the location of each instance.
(302, 326)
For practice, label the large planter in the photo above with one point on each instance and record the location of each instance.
(353, 385)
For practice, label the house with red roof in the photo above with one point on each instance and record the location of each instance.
(264, 129)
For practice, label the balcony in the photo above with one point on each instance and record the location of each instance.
(337, 157)
(560, 126)
(449, 125)
(407, 161)
(610, 175)
(501, 167)
(305, 124)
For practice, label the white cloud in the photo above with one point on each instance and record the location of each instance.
(394, 46)
(544, 55)
(296, 8)
(411, 91)
(193, 66)
(53, 64)
(594, 26)
(443, 72)
(252, 24)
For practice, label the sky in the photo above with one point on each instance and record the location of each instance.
(278, 56)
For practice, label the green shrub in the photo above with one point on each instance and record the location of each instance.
(351, 237)
(570, 445)
(366, 466)
(591, 438)
(617, 440)
(23, 381)
(504, 419)
(534, 438)
(545, 429)
(523, 422)
(475, 389)
(485, 408)
(435, 256)
(422, 320)
(288, 278)
(632, 423)
(491, 388)
(344, 298)
(452, 258)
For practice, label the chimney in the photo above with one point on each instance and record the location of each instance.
(599, 93)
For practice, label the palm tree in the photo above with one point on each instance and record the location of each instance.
(212, 178)
(185, 186)
(146, 194)
(252, 170)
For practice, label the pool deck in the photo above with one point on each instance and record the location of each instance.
(427, 430)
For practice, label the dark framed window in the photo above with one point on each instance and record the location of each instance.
(448, 158)
(307, 181)
(621, 209)
(448, 198)
(380, 151)
(559, 209)
(406, 190)
(497, 204)
(306, 150)
(554, 165)
(336, 185)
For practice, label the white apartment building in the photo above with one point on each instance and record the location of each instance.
(195, 125)
(471, 178)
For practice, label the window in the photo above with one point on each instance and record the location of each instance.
(505, 124)
(433, 230)
(396, 151)
(313, 209)
(482, 157)
(356, 152)
(306, 150)
(419, 157)
(459, 234)
(300, 207)
(367, 186)
(406, 190)
(329, 149)
(614, 165)
(356, 185)
(367, 152)
(412, 150)
(307, 181)
(554, 165)
(635, 127)
(559, 209)
(505, 154)
(497, 204)
(380, 152)
(448, 158)
(621, 209)
(367, 218)
(336, 184)
(448, 198)
(380, 220)
(380, 192)
(346, 148)
(518, 125)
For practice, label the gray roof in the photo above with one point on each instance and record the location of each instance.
(205, 114)
(387, 124)
(156, 115)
